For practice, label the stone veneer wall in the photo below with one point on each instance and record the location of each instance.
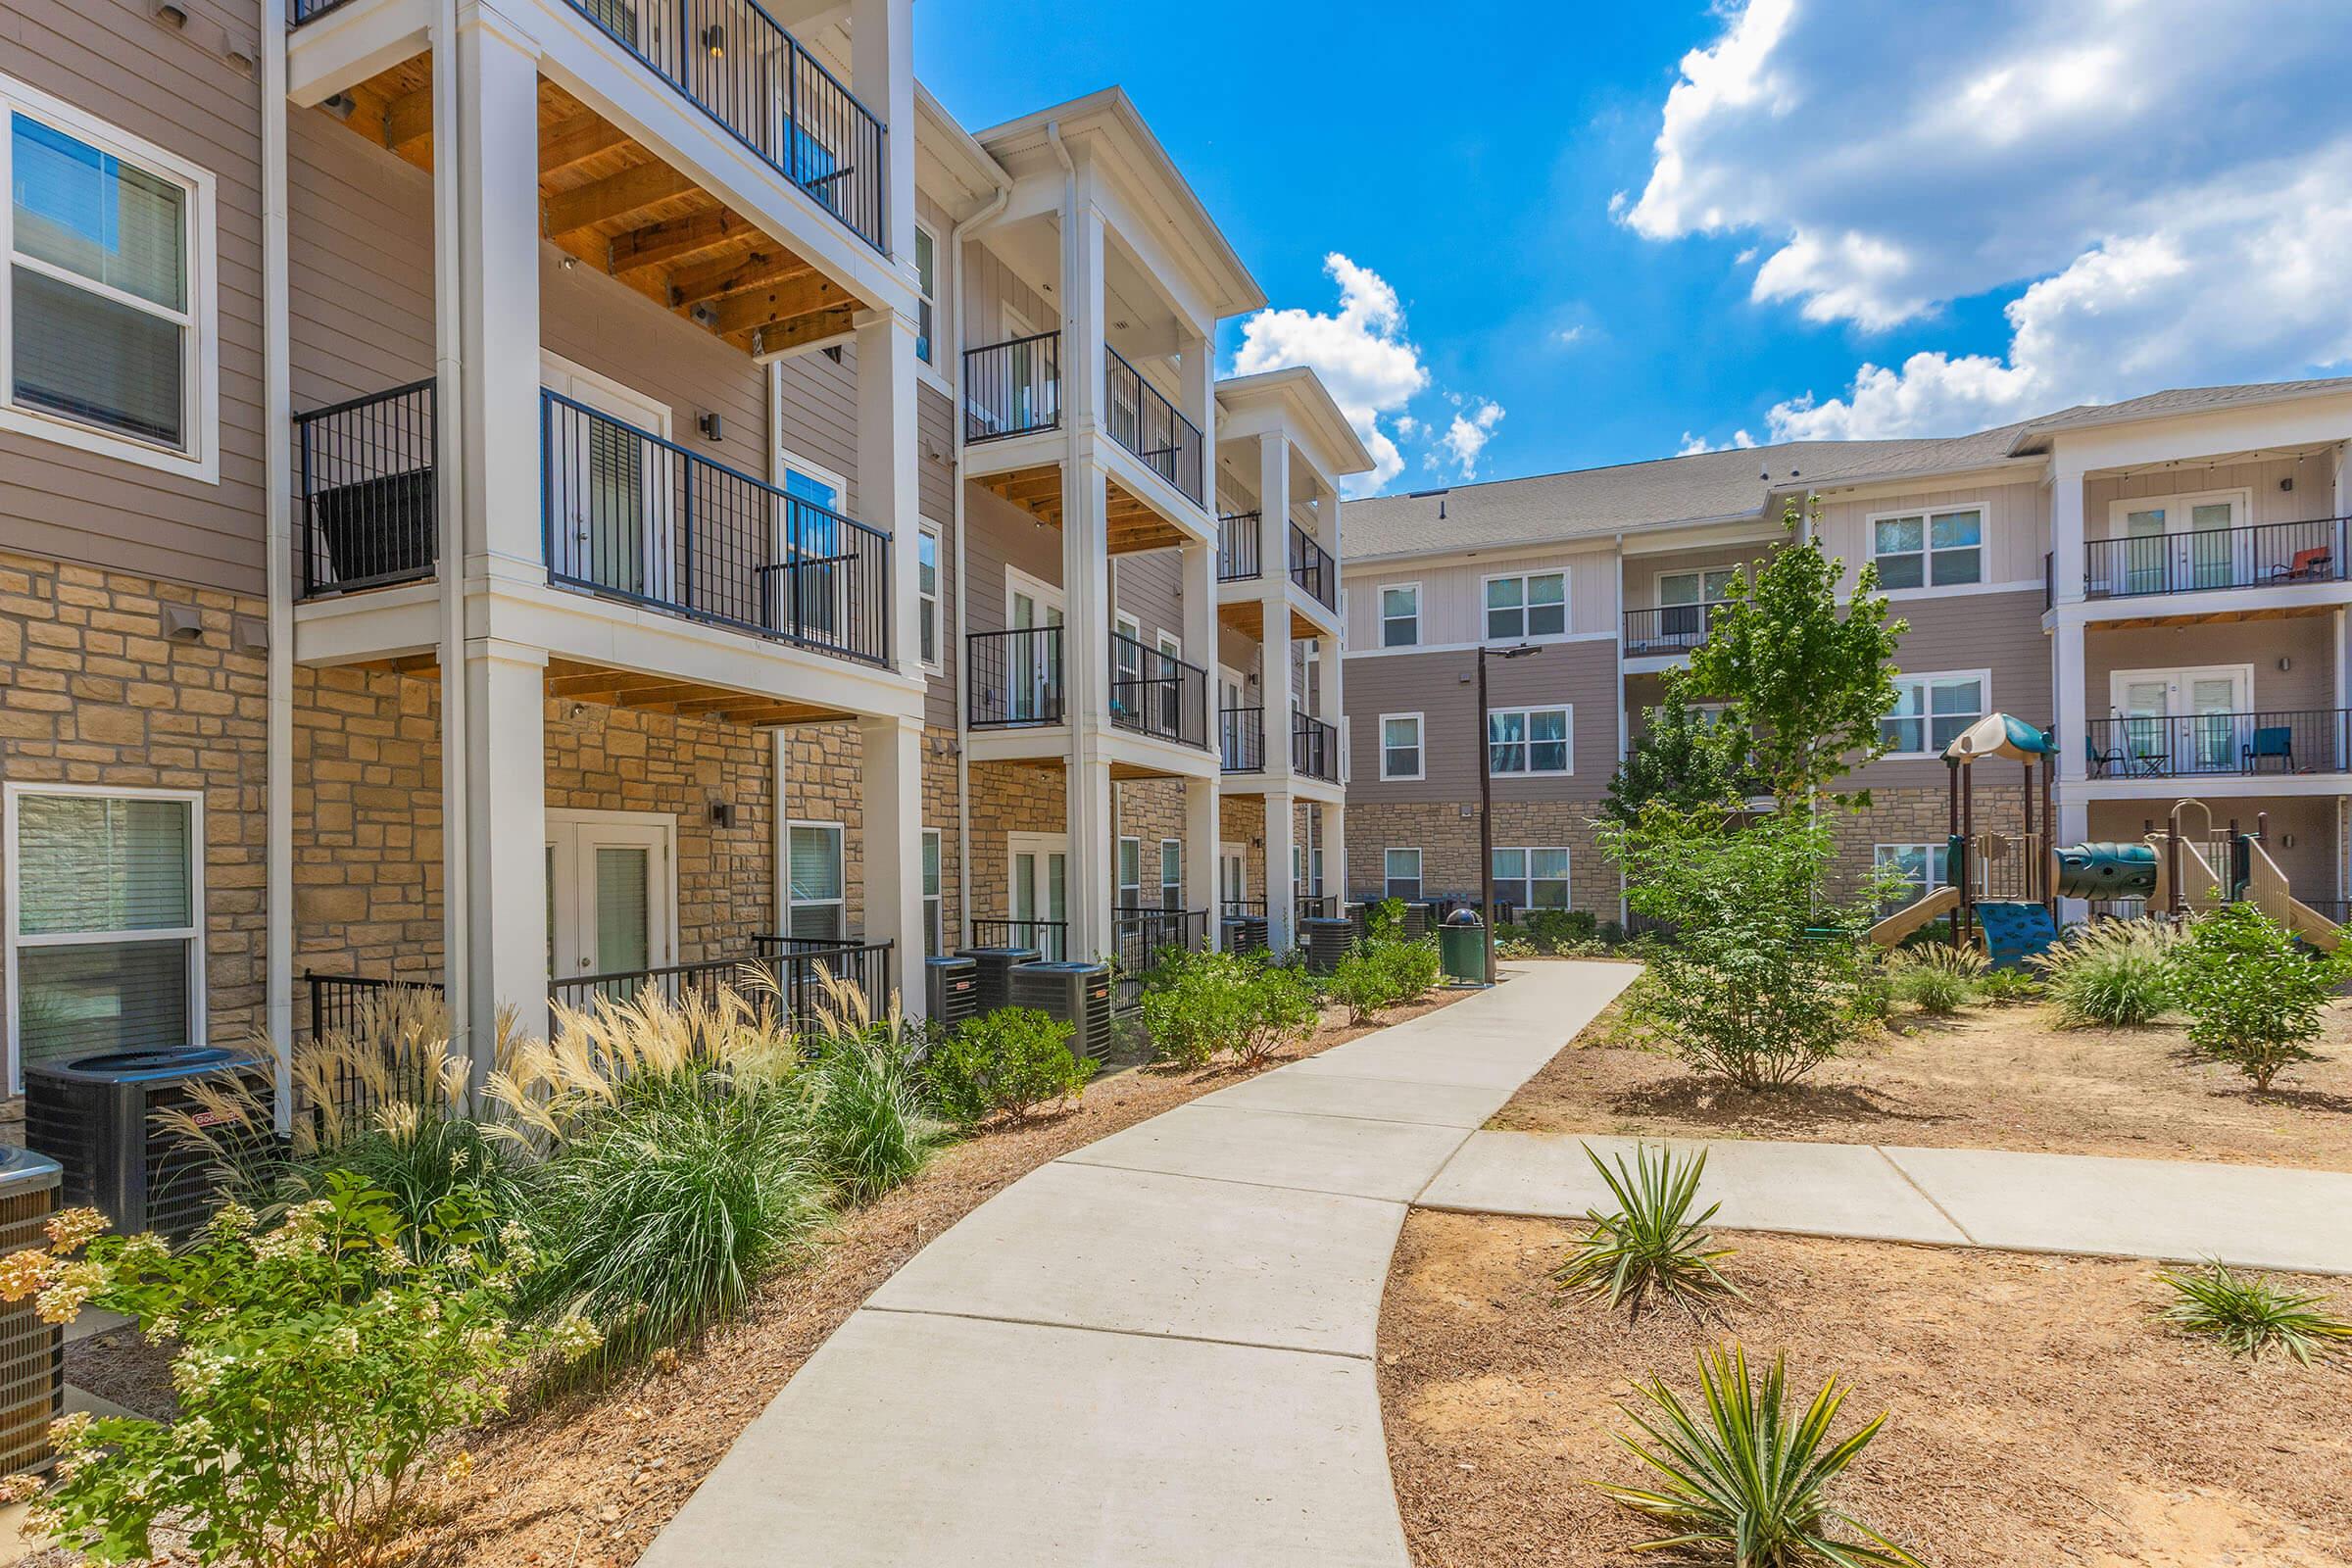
(1152, 809)
(1008, 798)
(1447, 839)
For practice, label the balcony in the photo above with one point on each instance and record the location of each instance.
(1242, 739)
(2272, 554)
(1157, 694)
(1237, 547)
(365, 485)
(1312, 569)
(1149, 425)
(1013, 678)
(2206, 745)
(1012, 388)
(1314, 748)
(1669, 629)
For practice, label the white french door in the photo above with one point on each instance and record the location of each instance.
(1040, 866)
(1233, 874)
(2182, 542)
(2190, 720)
(612, 902)
(1033, 680)
(607, 490)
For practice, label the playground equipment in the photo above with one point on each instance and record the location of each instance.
(2003, 890)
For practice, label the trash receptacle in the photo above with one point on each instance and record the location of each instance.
(1462, 948)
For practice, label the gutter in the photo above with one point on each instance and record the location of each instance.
(956, 666)
(277, 415)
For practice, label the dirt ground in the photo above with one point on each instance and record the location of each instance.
(1992, 1078)
(2040, 1413)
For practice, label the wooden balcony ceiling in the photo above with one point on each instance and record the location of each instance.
(619, 688)
(1247, 617)
(2180, 615)
(1134, 526)
(605, 198)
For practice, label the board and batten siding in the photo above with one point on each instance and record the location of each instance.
(114, 61)
(1442, 687)
(2017, 527)
(1454, 593)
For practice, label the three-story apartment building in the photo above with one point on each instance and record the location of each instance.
(2162, 581)
(533, 496)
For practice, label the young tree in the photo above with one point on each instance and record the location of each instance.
(1685, 757)
(2253, 995)
(1808, 685)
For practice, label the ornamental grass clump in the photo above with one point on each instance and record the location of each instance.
(2255, 997)
(2251, 1317)
(1744, 1479)
(1651, 1241)
(2117, 975)
(1938, 980)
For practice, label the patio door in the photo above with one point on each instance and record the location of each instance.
(2181, 543)
(1033, 679)
(2185, 721)
(1233, 875)
(608, 487)
(611, 900)
(1040, 866)
(1032, 405)
(1683, 597)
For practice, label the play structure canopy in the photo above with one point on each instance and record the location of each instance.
(1999, 735)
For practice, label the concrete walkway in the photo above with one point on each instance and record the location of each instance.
(1154, 1350)
(2256, 1216)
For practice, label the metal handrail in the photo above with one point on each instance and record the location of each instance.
(1237, 547)
(1242, 739)
(1012, 388)
(2266, 554)
(1669, 628)
(1013, 677)
(1311, 567)
(1051, 938)
(2187, 745)
(1149, 425)
(366, 486)
(1157, 693)
(1314, 748)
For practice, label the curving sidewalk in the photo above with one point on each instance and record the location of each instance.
(1156, 1349)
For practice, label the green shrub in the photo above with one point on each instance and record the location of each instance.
(2003, 988)
(1008, 1062)
(1384, 920)
(2253, 995)
(2253, 1316)
(1555, 930)
(318, 1364)
(1514, 947)
(1191, 1005)
(1937, 981)
(1278, 1007)
(1412, 968)
(1380, 974)
(1745, 1478)
(2116, 974)
(1651, 1241)
(867, 1128)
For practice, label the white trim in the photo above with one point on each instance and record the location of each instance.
(937, 663)
(1528, 878)
(1567, 713)
(937, 838)
(1959, 590)
(790, 462)
(1381, 617)
(1926, 717)
(841, 850)
(1420, 749)
(199, 319)
(1470, 648)
(921, 298)
(2177, 676)
(1165, 883)
(1658, 585)
(1521, 578)
(1238, 857)
(1420, 863)
(663, 879)
(2239, 497)
(1045, 593)
(1118, 853)
(663, 415)
(1926, 551)
(12, 940)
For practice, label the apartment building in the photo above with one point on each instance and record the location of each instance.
(530, 497)
(2162, 581)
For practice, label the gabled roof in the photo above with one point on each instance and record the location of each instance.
(2033, 435)
(1341, 450)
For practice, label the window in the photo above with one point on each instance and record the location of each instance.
(105, 925)
(1401, 615)
(1400, 746)
(1172, 874)
(1168, 682)
(1532, 878)
(1929, 549)
(1527, 740)
(927, 590)
(109, 291)
(1677, 588)
(1931, 712)
(1130, 891)
(1521, 607)
(810, 547)
(813, 894)
(1400, 874)
(1922, 868)
(926, 285)
(934, 923)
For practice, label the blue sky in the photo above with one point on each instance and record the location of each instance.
(1641, 226)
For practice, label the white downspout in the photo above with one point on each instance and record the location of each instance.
(448, 446)
(277, 466)
(955, 666)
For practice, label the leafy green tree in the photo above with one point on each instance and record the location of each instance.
(1807, 683)
(1685, 757)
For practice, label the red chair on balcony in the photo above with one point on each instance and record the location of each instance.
(2314, 564)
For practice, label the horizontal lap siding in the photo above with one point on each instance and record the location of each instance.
(2000, 633)
(2308, 500)
(360, 241)
(2017, 528)
(997, 535)
(935, 464)
(1442, 687)
(2306, 642)
(111, 59)
(1452, 594)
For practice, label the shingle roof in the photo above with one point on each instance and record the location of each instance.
(2178, 399)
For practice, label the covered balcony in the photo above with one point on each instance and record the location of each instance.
(1668, 631)
(2171, 745)
(2202, 560)
(1015, 680)
(1314, 748)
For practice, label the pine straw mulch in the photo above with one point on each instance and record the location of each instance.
(2041, 1414)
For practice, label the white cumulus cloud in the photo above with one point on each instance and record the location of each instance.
(1361, 351)
(1693, 445)
(1473, 425)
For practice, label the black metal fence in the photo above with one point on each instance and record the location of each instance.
(1013, 677)
(787, 970)
(1149, 425)
(1051, 938)
(1312, 569)
(1138, 936)
(735, 63)
(629, 515)
(366, 488)
(1157, 693)
(1237, 547)
(299, 11)
(2277, 553)
(1012, 388)
(1314, 748)
(1668, 628)
(2184, 745)
(1242, 739)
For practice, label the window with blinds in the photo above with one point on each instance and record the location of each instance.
(934, 925)
(105, 933)
(815, 884)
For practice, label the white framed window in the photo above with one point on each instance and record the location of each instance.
(1527, 607)
(926, 283)
(105, 921)
(108, 312)
(812, 595)
(1400, 874)
(927, 592)
(935, 943)
(1172, 874)
(1678, 589)
(813, 906)
(1129, 894)
(1400, 746)
(1532, 878)
(1528, 740)
(1920, 868)
(1937, 548)
(1401, 614)
(1931, 712)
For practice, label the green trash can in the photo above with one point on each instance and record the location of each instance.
(1462, 948)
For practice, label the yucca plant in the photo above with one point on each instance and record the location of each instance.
(1939, 980)
(1746, 1479)
(1651, 1242)
(2252, 1317)
(2117, 974)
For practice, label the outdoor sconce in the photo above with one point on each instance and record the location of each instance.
(171, 15)
(723, 813)
(2288, 483)
(713, 428)
(715, 41)
(2284, 664)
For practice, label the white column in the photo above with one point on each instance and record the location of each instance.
(891, 791)
(888, 488)
(506, 828)
(882, 76)
(1335, 854)
(1274, 599)
(1282, 894)
(1091, 851)
(1199, 367)
(2066, 548)
(1200, 854)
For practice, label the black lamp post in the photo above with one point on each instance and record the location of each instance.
(1486, 801)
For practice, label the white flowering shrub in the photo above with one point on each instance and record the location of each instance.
(318, 1364)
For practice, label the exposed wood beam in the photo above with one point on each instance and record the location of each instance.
(615, 196)
(409, 118)
(709, 280)
(804, 296)
(782, 337)
(678, 239)
(576, 140)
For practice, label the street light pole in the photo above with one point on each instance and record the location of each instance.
(1486, 802)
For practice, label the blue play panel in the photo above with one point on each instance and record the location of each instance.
(2015, 932)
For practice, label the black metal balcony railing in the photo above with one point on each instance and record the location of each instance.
(2272, 553)
(1013, 677)
(2187, 745)
(1237, 547)
(1314, 905)
(1149, 425)
(1242, 739)
(1241, 909)
(1312, 569)
(299, 11)
(1157, 693)
(1139, 935)
(1050, 938)
(1668, 628)
(630, 516)
(1012, 388)
(788, 971)
(1314, 748)
(366, 485)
